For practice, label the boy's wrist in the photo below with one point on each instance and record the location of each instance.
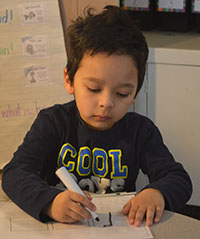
(47, 209)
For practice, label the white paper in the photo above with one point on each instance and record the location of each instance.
(197, 5)
(136, 3)
(32, 13)
(37, 76)
(32, 60)
(111, 202)
(174, 4)
(17, 224)
(35, 46)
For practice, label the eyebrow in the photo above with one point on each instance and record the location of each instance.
(127, 85)
(93, 79)
(97, 80)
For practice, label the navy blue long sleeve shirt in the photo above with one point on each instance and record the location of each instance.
(100, 161)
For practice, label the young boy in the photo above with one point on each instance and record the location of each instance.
(94, 137)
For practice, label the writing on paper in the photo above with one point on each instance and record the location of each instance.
(6, 51)
(17, 110)
(6, 16)
(35, 46)
(33, 13)
(37, 76)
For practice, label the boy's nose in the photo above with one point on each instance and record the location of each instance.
(106, 101)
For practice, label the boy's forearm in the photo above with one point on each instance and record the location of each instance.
(176, 190)
(27, 190)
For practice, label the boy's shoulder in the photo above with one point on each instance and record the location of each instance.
(59, 112)
(138, 119)
(60, 108)
(140, 125)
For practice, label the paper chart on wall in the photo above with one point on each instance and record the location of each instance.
(32, 60)
(175, 4)
(136, 3)
(16, 224)
(196, 6)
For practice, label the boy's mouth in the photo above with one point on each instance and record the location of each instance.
(102, 118)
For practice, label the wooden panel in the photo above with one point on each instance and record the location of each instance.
(71, 9)
(68, 10)
(97, 5)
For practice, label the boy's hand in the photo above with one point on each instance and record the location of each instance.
(149, 203)
(66, 207)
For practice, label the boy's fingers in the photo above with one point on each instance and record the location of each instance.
(150, 216)
(78, 198)
(88, 195)
(76, 216)
(158, 215)
(132, 215)
(88, 204)
(126, 208)
(78, 212)
(139, 216)
(73, 217)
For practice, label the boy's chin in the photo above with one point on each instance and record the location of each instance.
(101, 127)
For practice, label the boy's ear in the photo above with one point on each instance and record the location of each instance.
(67, 83)
(134, 100)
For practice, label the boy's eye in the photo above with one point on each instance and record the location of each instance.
(122, 95)
(94, 90)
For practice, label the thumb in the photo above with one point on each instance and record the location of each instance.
(126, 208)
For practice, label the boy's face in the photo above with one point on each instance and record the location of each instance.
(104, 87)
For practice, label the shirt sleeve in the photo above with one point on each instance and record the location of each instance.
(21, 179)
(164, 173)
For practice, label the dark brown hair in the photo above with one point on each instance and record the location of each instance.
(111, 32)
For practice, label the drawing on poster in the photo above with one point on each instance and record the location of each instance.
(32, 13)
(35, 46)
(37, 75)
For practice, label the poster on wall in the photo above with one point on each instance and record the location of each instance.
(137, 5)
(196, 6)
(171, 5)
(32, 60)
